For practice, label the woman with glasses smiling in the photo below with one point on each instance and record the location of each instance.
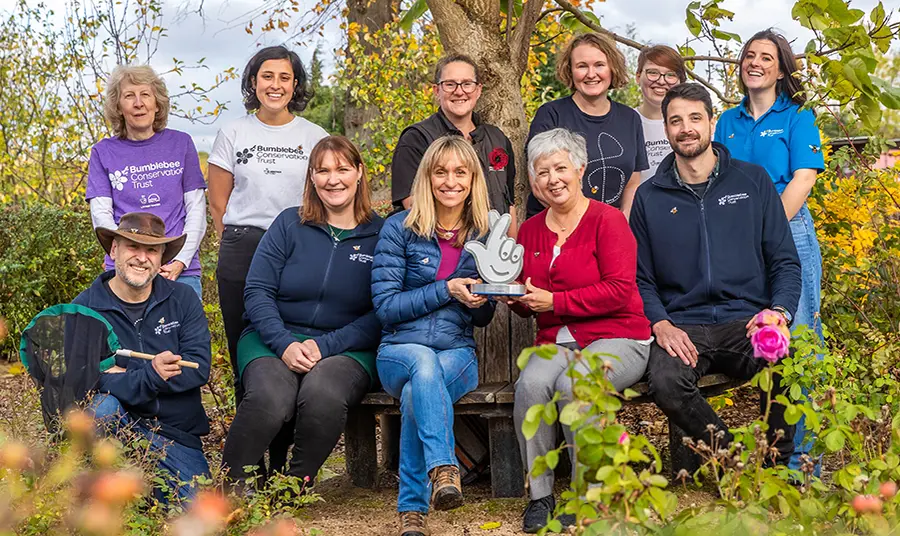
(457, 87)
(659, 68)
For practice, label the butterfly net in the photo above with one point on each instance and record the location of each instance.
(65, 348)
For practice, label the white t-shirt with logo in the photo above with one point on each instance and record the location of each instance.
(269, 167)
(656, 143)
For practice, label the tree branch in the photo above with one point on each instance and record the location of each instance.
(567, 6)
(712, 58)
(712, 88)
(520, 39)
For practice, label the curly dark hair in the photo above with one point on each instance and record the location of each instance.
(302, 92)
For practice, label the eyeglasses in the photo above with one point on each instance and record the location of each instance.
(450, 86)
(670, 77)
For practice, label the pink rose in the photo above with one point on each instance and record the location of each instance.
(770, 343)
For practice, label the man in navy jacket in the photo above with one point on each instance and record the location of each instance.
(151, 314)
(714, 249)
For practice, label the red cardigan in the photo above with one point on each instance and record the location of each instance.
(593, 280)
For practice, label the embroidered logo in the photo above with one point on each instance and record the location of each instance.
(815, 149)
(424, 261)
(361, 257)
(674, 210)
(771, 132)
(162, 320)
(355, 248)
(732, 198)
(166, 327)
(731, 136)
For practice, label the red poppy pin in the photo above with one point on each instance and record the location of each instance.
(498, 159)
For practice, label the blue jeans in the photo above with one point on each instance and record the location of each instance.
(181, 462)
(804, 232)
(427, 382)
(194, 282)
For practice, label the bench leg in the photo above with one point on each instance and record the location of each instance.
(360, 450)
(390, 441)
(681, 456)
(507, 476)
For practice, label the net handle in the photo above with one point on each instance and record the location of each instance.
(149, 357)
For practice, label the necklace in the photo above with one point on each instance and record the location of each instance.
(446, 233)
(578, 212)
(337, 234)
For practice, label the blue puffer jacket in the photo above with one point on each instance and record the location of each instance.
(412, 306)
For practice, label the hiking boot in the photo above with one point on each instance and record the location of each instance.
(537, 514)
(446, 490)
(413, 524)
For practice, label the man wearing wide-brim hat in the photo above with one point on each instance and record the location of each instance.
(164, 318)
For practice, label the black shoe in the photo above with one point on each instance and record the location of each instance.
(566, 520)
(537, 513)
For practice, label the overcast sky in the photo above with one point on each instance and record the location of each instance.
(220, 37)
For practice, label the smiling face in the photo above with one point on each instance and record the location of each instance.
(457, 104)
(275, 84)
(759, 69)
(136, 264)
(451, 181)
(688, 127)
(591, 74)
(556, 180)
(137, 104)
(654, 90)
(336, 181)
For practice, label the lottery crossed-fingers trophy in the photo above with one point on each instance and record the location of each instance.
(499, 260)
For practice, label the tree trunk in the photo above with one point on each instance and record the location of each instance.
(472, 27)
(373, 15)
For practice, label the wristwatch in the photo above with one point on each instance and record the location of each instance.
(783, 312)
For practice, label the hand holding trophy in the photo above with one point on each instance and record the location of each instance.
(499, 259)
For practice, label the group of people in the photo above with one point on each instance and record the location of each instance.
(645, 239)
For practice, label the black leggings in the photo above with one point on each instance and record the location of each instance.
(274, 395)
(235, 253)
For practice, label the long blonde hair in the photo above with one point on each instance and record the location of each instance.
(422, 217)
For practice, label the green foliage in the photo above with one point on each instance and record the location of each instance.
(394, 84)
(47, 256)
(53, 70)
(845, 52)
(617, 484)
(326, 108)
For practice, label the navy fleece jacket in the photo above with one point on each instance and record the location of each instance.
(718, 258)
(302, 281)
(173, 321)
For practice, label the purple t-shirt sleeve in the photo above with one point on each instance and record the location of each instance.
(193, 176)
(98, 184)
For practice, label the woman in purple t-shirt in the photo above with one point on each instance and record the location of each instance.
(145, 167)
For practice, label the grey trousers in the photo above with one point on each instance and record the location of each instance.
(542, 378)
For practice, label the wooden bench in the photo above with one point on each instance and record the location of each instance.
(498, 347)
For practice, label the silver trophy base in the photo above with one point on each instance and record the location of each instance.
(486, 289)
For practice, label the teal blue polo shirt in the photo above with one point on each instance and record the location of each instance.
(782, 141)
